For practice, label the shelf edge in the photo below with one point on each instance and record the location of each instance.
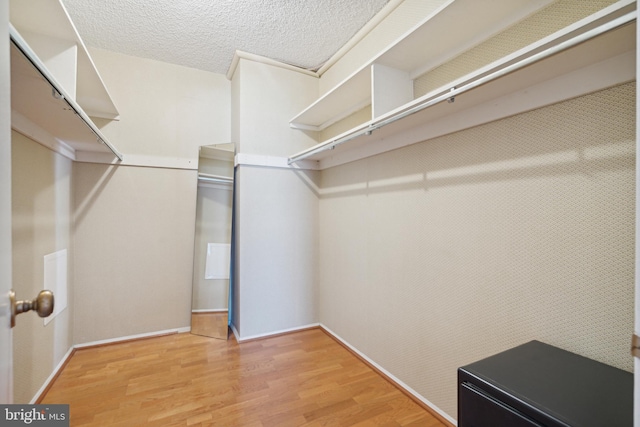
(422, 104)
(569, 86)
(23, 46)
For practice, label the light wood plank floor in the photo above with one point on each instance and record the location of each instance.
(300, 379)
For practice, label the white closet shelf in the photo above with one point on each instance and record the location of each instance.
(55, 86)
(47, 27)
(42, 109)
(589, 55)
(432, 42)
(350, 96)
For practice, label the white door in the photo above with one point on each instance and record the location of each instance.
(6, 365)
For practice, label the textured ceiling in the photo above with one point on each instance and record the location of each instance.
(204, 34)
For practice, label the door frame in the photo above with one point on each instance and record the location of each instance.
(6, 349)
(636, 361)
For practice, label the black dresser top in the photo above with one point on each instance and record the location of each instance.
(573, 389)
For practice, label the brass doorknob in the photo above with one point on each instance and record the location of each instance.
(43, 305)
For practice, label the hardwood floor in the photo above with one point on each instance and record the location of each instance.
(300, 379)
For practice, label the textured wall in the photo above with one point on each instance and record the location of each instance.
(346, 124)
(41, 224)
(135, 226)
(541, 24)
(134, 231)
(266, 98)
(166, 111)
(403, 18)
(277, 250)
(450, 250)
(276, 209)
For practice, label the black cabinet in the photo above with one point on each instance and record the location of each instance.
(538, 385)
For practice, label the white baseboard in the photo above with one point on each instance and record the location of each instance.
(393, 378)
(133, 337)
(390, 376)
(64, 360)
(234, 331)
(55, 372)
(241, 339)
(211, 310)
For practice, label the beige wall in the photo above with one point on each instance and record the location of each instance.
(134, 231)
(167, 111)
(41, 224)
(135, 225)
(450, 250)
(277, 209)
(267, 98)
(277, 252)
(548, 20)
(408, 14)
(424, 258)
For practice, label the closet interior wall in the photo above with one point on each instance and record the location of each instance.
(134, 234)
(445, 252)
(539, 25)
(128, 228)
(276, 210)
(135, 224)
(424, 258)
(459, 247)
(404, 17)
(42, 223)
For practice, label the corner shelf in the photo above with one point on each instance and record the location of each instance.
(591, 54)
(350, 96)
(413, 55)
(55, 86)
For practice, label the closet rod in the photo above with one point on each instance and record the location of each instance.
(483, 79)
(214, 178)
(31, 56)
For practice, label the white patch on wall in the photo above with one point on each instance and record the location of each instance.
(55, 280)
(218, 262)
